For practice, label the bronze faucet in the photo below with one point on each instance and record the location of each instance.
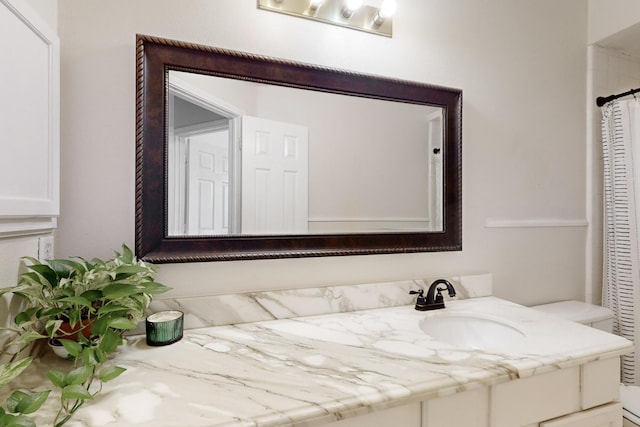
(434, 299)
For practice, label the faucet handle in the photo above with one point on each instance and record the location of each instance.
(421, 301)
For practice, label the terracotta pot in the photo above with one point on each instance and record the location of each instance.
(71, 333)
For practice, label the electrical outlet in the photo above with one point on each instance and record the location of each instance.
(45, 247)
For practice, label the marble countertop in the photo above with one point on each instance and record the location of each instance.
(311, 370)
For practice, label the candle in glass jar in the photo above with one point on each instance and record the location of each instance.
(164, 327)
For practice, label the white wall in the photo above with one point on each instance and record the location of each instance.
(521, 65)
(47, 9)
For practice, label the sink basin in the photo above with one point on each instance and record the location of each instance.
(471, 330)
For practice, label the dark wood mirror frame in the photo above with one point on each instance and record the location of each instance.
(156, 57)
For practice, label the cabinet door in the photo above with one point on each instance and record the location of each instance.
(528, 400)
(600, 382)
(603, 416)
(29, 121)
(467, 409)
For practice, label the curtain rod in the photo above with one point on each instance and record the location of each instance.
(601, 100)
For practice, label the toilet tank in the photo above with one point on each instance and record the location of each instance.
(581, 312)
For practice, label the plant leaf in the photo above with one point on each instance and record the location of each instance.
(25, 316)
(8, 371)
(52, 326)
(8, 420)
(21, 318)
(119, 290)
(154, 288)
(89, 357)
(14, 400)
(131, 269)
(58, 378)
(109, 373)
(32, 402)
(127, 253)
(110, 308)
(109, 342)
(101, 324)
(79, 375)
(30, 336)
(75, 392)
(47, 273)
(60, 268)
(92, 295)
(122, 323)
(72, 347)
(51, 311)
(100, 355)
(76, 300)
(78, 267)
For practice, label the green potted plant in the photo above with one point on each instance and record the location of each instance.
(83, 306)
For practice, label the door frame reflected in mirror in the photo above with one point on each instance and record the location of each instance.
(178, 223)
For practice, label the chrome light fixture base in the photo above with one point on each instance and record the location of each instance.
(365, 18)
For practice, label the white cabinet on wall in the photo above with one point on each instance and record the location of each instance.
(29, 121)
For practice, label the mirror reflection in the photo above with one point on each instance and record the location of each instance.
(250, 158)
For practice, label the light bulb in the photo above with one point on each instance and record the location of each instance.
(315, 4)
(351, 6)
(387, 9)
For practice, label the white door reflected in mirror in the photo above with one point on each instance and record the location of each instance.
(274, 177)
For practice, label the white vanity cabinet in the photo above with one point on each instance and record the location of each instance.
(609, 415)
(29, 124)
(580, 396)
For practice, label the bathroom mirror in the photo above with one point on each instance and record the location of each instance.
(368, 164)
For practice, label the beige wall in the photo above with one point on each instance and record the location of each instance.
(607, 17)
(521, 65)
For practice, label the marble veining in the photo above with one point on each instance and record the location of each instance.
(217, 310)
(306, 371)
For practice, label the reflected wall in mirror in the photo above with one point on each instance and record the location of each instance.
(241, 156)
(305, 161)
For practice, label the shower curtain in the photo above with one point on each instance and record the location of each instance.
(621, 289)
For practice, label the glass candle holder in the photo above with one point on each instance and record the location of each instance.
(164, 327)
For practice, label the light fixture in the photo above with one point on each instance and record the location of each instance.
(386, 11)
(350, 6)
(315, 4)
(344, 13)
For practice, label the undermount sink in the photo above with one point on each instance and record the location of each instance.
(470, 330)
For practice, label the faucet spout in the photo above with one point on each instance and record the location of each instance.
(434, 294)
(434, 299)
